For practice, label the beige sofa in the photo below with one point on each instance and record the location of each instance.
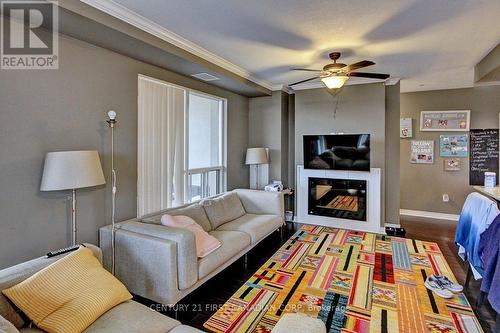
(160, 263)
(129, 316)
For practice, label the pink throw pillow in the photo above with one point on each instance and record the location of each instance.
(205, 243)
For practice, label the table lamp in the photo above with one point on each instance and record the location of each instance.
(256, 156)
(72, 170)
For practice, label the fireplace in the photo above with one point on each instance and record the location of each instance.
(313, 206)
(338, 198)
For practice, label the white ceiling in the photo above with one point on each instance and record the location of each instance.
(429, 44)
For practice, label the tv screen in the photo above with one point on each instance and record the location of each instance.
(337, 152)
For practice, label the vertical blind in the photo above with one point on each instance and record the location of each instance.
(160, 155)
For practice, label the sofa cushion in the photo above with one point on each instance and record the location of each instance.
(194, 211)
(70, 294)
(131, 316)
(232, 243)
(8, 312)
(18, 273)
(257, 226)
(205, 243)
(185, 329)
(6, 326)
(222, 209)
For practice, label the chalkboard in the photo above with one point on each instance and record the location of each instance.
(483, 154)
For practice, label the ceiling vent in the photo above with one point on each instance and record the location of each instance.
(205, 77)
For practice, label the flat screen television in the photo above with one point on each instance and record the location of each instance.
(337, 152)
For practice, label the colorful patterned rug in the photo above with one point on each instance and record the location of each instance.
(353, 281)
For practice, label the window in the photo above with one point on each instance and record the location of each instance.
(206, 143)
(181, 145)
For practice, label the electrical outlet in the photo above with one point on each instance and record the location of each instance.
(446, 197)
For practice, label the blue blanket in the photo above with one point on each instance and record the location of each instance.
(477, 214)
(489, 251)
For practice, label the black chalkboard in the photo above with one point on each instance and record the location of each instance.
(483, 154)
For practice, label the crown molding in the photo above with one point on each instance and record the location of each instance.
(485, 84)
(283, 87)
(392, 81)
(126, 15)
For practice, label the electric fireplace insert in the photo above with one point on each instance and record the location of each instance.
(339, 198)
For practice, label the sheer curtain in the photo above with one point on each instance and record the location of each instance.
(160, 151)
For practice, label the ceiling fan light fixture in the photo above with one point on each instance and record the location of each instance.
(334, 81)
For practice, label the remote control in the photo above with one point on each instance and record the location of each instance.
(63, 250)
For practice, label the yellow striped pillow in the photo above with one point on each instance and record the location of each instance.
(68, 295)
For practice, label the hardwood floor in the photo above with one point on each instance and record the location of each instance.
(199, 306)
(443, 233)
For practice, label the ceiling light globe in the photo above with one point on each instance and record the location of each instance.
(334, 81)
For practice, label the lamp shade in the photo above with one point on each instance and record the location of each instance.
(256, 156)
(65, 170)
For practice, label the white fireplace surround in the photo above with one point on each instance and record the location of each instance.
(373, 196)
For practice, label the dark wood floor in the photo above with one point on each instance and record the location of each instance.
(443, 233)
(200, 305)
(197, 307)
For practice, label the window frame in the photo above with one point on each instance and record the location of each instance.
(222, 169)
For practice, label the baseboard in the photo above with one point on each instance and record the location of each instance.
(430, 215)
(381, 230)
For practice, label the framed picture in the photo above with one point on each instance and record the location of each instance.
(452, 164)
(422, 151)
(405, 128)
(445, 121)
(454, 145)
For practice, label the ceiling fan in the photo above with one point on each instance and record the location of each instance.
(335, 75)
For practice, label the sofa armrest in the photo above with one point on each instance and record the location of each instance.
(262, 202)
(181, 259)
(146, 265)
(105, 243)
(187, 260)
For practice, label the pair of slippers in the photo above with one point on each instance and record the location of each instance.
(442, 286)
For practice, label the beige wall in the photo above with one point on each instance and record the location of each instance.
(269, 127)
(422, 186)
(392, 170)
(285, 144)
(65, 109)
(291, 140)
(361, 109)
(264, 129)
(369, 108)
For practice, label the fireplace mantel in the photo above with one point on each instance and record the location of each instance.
(373, 199)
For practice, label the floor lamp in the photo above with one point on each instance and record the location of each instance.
(72, 170)
(111, 122)
(256, 156)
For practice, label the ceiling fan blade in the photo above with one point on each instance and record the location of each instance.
(313, 78)
(369, 75)
(357, 65)
(306, 69)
